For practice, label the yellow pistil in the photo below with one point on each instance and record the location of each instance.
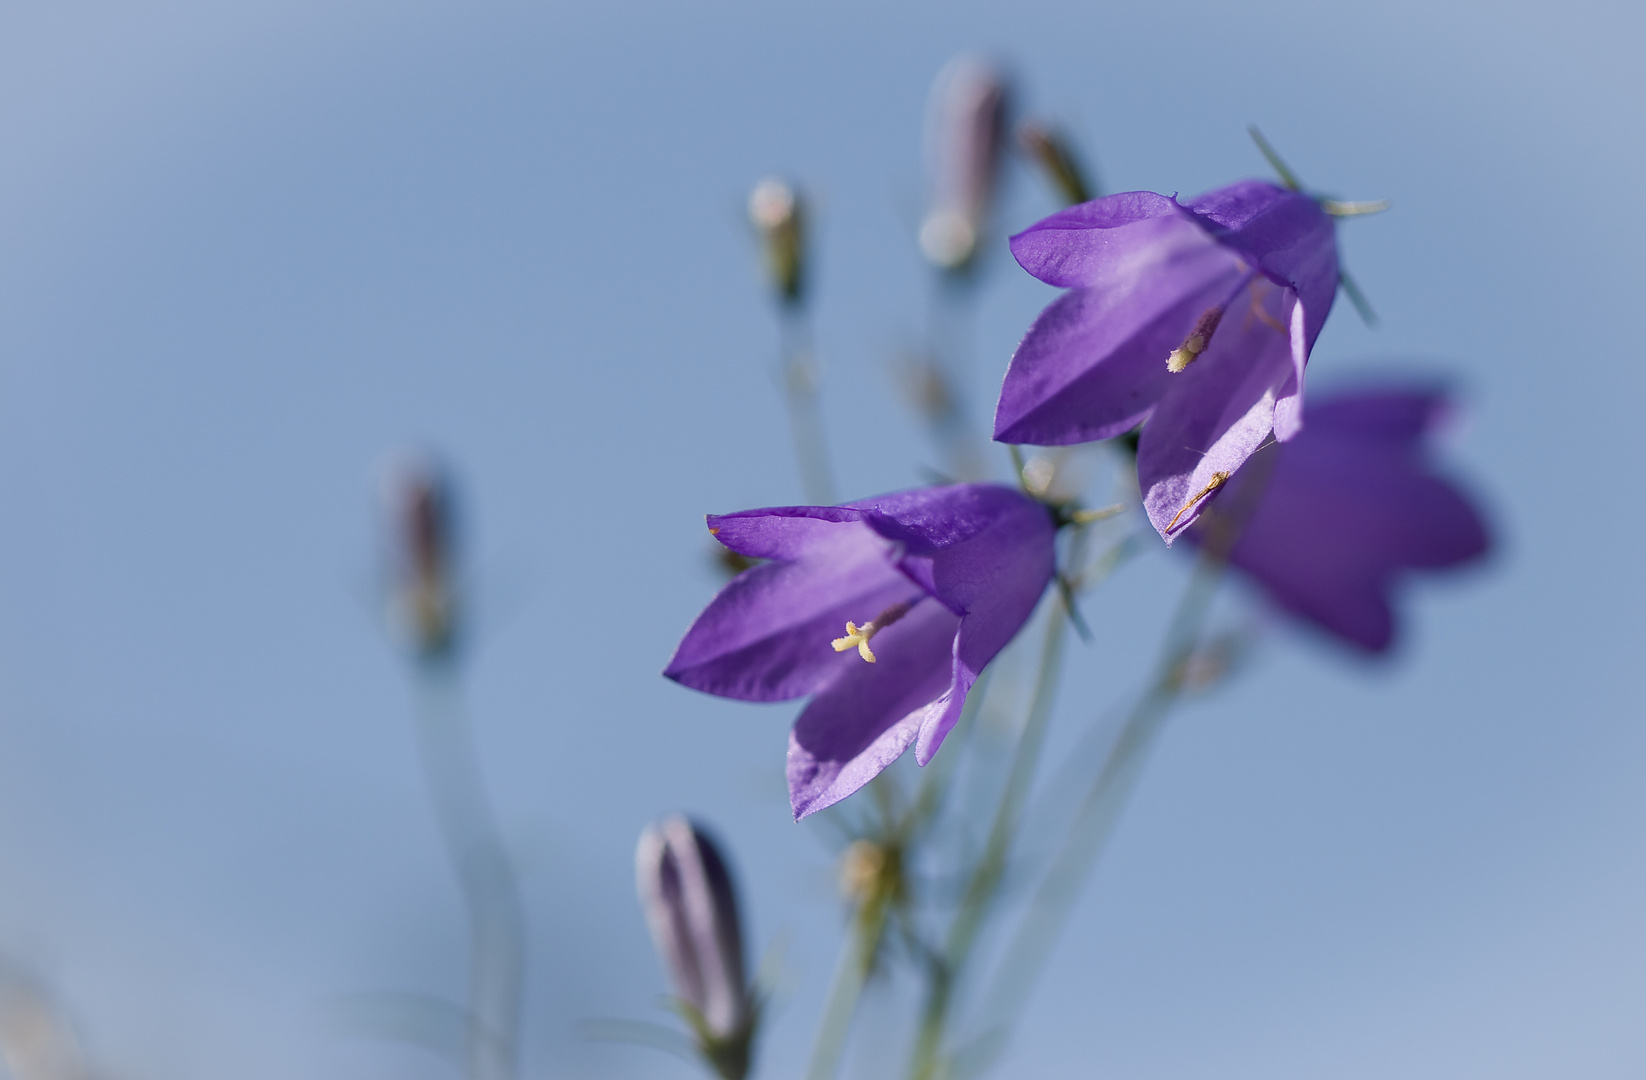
(1218, 480)
(1197, 341)
(860, 635)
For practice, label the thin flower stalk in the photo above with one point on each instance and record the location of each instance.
(484, 872)
(1100, 810)
(989, 870)
(802, 397)
(873, 905)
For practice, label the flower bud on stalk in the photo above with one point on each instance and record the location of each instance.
(965, 132)
(1049, 149)
(779, 216)
(687, 896)
(421, 558)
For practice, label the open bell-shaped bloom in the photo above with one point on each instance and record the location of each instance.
(1328, 522)
(1196, 317)
(883, 611)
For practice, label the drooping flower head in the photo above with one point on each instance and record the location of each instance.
(1328, 523)
(690, 905)
(883, 611)
(1197, 317)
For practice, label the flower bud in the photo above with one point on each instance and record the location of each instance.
(779, 216)
(965, 125)
(690, 906)
(418, 523)
(36, 1040)
(1051, 150)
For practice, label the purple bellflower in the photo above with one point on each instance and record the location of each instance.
(1327, 522)
(1196, 317)
(939, 579)
(691, 908)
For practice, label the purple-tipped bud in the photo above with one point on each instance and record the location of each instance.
(686, 893)
(965, 134)
(421, 559)
(778, 214)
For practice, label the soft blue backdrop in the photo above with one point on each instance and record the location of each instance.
(246, 247)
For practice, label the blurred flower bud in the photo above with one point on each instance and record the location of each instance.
(965, 129)
(1052, 151)
(778, 214)
(1209, 664)
(862, 866)
(686, 894)
(36, 1041)
(420, 542)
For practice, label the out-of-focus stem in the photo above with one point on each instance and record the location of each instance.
(800, 393)
(1095, 819)
(484, 871)
(941, 391)
(856, 958)
(991, 864)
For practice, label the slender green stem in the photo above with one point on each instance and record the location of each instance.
(484, 871)
(852, 971)
(801, 394)
(1095, 819)
(991, 864)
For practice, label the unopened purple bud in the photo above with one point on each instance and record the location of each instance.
(687, 896)
(418, 524)
(965, 133)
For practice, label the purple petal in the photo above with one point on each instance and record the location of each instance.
(1349, 506)
(866, 718)
(766, 635)
(992, 620)
(1283, 233)
(987, 553)
(1219, 410)
(1101, 242)
(965, 543)
(783, 533)
(1094, 362)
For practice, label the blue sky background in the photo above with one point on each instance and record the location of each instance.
(246, 248)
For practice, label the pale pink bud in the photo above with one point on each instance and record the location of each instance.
(965, 135)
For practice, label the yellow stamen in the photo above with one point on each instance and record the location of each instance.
(1217, 481)
(1197, 341)
(860, 635)
(1259, 294)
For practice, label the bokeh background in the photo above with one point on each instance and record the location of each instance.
(246, 248)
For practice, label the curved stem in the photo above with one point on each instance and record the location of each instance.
(490, 892)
